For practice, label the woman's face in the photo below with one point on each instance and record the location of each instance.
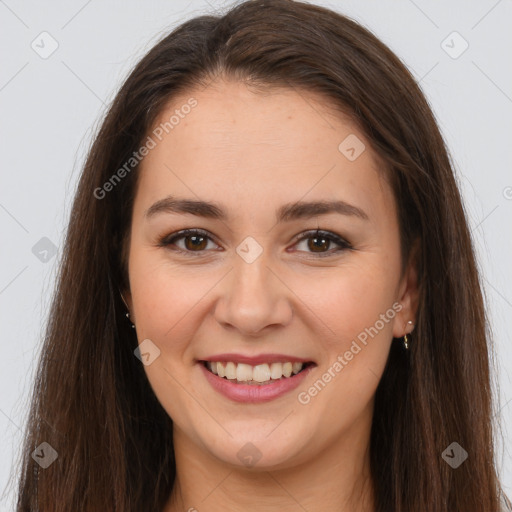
(258, 285)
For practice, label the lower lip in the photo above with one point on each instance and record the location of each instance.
(254, 393)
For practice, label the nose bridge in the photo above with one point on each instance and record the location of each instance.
(253, 297)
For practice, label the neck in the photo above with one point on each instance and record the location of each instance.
(337, 478)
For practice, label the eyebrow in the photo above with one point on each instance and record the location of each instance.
(285, 213)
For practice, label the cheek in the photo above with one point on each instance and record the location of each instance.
(158, 295)
(169, 301)
(349, 299)
(356, 304)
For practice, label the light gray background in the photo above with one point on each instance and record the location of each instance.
(49, 108)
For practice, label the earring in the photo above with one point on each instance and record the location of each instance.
(406, 339)
(128, 313)
(128, 316)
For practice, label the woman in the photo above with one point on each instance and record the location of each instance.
(271, 205)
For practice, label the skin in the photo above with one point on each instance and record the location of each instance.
(251, 152)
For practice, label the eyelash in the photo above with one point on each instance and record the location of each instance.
(328, 235)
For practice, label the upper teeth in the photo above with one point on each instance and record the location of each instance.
(260, 373)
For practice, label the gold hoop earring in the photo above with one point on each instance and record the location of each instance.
(406, 339)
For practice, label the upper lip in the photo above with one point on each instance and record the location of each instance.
(257, 359)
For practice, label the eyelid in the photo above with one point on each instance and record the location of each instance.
(342, 243)
(170, 239)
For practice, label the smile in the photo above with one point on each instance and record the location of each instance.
(254, 384)
(261, 374)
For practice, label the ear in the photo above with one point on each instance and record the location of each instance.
(408, 295)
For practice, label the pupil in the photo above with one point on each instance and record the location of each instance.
(315, 244)
(198, 241)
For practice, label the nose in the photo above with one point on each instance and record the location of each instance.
(253, 299)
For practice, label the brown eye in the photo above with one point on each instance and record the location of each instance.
(316, 244)
(194, 241)
(198, 242)
(320, 243)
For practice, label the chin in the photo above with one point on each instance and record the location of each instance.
(258, 453)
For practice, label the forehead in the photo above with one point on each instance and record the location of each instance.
(249, 147)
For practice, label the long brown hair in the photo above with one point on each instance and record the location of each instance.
(92, 401)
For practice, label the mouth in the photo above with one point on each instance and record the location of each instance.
(256, 375)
